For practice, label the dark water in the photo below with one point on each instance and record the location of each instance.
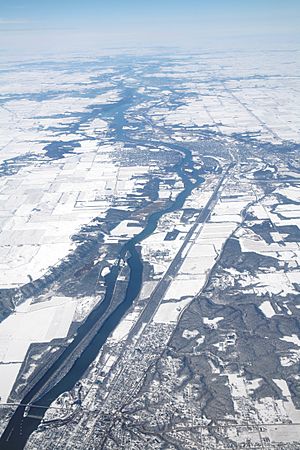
(20, 428)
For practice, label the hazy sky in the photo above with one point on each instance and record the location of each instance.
(30, 25)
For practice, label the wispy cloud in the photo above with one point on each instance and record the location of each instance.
(4, 21)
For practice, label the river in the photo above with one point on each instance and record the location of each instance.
(19, 427)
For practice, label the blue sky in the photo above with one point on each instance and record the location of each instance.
(85, 23)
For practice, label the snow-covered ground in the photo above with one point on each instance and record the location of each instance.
(43, 206)
(198, 260)
(30, 323)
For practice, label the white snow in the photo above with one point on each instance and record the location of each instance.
(8, 375)
(39, 322)
(293, 338)
(105, 271)
(184, 287)
(282, 384)
(170, 312)
(126, 229)
(212, 323)
(189, 334)
(267, 308)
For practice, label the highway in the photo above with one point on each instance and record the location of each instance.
(159, 291)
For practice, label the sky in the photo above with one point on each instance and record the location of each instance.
(88, 25)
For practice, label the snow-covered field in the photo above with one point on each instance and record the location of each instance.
(198, 260)
(266, 107)
(42, 207)
(30, 323)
